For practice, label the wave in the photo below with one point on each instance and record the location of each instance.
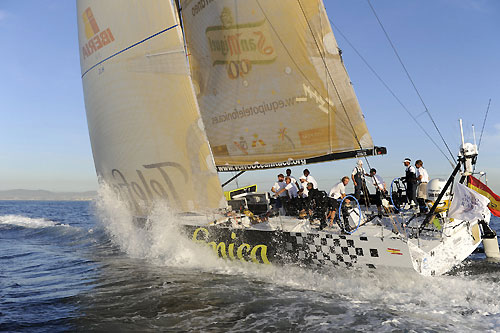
(28, 222)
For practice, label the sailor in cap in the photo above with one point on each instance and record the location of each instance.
(422, 180)
(276, 189)
(303, 192)
(358, 179)
(411, 182)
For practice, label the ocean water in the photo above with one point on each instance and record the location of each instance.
(83, 266)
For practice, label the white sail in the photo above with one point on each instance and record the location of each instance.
(147, 136)
(270, 82)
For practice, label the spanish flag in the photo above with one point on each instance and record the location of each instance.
(394, 251)
(480, 188)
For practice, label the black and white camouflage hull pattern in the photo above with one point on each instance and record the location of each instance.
(371, 246)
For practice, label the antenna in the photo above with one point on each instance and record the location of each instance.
(461, 132)
(474, 134)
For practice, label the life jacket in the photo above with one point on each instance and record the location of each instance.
(360, 175)
(411, 177)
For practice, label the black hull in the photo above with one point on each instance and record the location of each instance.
(285, 248)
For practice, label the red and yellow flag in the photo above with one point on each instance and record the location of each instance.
(480, 188)
(394, 251)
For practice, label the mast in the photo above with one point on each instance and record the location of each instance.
(179, 18)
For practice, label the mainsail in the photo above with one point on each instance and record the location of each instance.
(147, 136)
(271, 84)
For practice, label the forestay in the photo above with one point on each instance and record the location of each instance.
(147, 136)
(270, 82)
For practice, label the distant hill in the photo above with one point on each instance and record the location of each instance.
(46, 195)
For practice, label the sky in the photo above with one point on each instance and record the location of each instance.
(450, 48)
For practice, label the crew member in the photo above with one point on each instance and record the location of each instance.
(303, 190)
(291, 203)
(293, 180)
(358, 178)
(381, 189)
(411, 181)
(337, 193)
(317, 204)
(338, 190)
(310, 179)
(422, 179)
(277, 187)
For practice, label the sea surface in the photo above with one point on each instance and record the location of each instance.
(83, 266)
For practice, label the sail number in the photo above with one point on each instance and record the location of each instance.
(238, 68)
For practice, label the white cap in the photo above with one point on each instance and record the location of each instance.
(360, 162)
(407, 160)
(302, 178)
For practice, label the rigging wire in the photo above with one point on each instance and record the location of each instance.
(482, 130)
(391, 92)
(329, 74)
(293, 59)
(328, 96)
(326, 69)
(484, 123)
(409, 77)
(323, 58)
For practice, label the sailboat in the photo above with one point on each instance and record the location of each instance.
(176, 91)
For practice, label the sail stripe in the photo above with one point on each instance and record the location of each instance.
(129, 47)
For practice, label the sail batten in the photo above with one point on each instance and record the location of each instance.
(270, 91)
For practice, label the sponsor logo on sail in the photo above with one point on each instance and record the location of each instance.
(199, 6)
(283, 135)
(240, 46)
(257, 141)
(314, 136)
(325, 104)
(96, 39)
(254, 110)
(242, 145)
(154, 182)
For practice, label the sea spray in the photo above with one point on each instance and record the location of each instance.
(118, 221)
(159, 239)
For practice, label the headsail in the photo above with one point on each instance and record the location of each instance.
(147, 136)
(271, 84)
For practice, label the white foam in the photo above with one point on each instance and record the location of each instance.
(159, 240)
(28, 222)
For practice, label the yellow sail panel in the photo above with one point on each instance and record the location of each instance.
(270, 82)
(147, 136)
